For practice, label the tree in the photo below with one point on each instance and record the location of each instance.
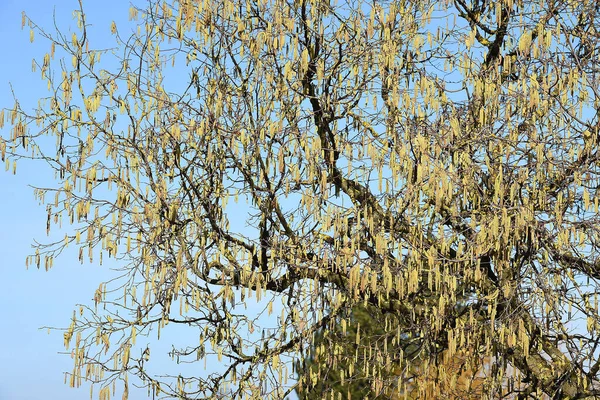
(323, 376)
(434, 161)
(449, 376)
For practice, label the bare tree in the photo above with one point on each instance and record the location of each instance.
(437, 161)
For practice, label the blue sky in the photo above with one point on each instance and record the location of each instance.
(30, 364)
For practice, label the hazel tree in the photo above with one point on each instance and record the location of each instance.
(436, 161)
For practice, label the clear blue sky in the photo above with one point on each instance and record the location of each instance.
(30, 366)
